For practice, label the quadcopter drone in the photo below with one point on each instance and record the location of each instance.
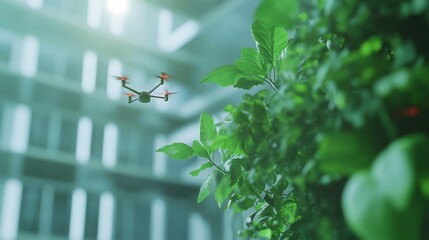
(144, 96)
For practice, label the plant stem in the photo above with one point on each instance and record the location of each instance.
(388, 125)
(217, 166)
(275, 76)
(257, 194)
(271, 84)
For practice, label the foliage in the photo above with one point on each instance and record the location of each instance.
(339, 138)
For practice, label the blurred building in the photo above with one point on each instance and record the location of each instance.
(76, 160)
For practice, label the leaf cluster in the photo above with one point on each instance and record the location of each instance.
(335, 146)
(255, 66)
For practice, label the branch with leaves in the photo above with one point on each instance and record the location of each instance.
(335, 146)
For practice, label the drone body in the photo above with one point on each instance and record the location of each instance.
(144, 96)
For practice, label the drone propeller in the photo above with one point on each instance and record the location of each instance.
(124, 79)
(163, 76)
(130, 97)
(167, 93)
(130, 94)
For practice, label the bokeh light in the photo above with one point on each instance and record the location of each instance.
(117, 7)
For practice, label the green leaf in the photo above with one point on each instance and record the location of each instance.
(230, 144)
(266, 233)
(370, 214)
(199, 149)
(223, 190)
(424, 186)
(226, 75)
(207, 129)
(366, 211)
(253, 70)
(203, 167)
(395, 81)
(371, 46)
(346, 152)
(278, 12)
(289, 211)
(394, 169)
(206, 188)
(247, 83)
(383, 203)
(235, 170)
(394, 173)
(270, 40)
(245, 202)
(250, 64)
(179, 151)
(260, 113)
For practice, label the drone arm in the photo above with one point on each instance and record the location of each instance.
(131, 101)
(153, 89)
(156, 96)
(132, 90)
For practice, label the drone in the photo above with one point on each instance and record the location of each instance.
(144, 96)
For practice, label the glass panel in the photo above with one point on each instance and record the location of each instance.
(39, 129)
(5, 48)
(128, 148)
(97, 141)
(146, 150)
(91, 218)
(61, 214)
(142, 221)
(176, 220)
(52, 59)
(74, 66)
(30, 209)
(102, 75)
(68, 135)
(123, 219)
(135, 148)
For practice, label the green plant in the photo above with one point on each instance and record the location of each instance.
(339, 138)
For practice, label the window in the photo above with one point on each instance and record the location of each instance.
(177, 219)
(30, 209)
(97, 141)
(5, 47)
(132, 219)
(68, 135)
(135, 148)
(142, 211)
(52, 60)
(61, 213)
(74, 65)
(39, 129)
(91, 217)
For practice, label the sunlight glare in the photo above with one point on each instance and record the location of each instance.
(117, 6)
